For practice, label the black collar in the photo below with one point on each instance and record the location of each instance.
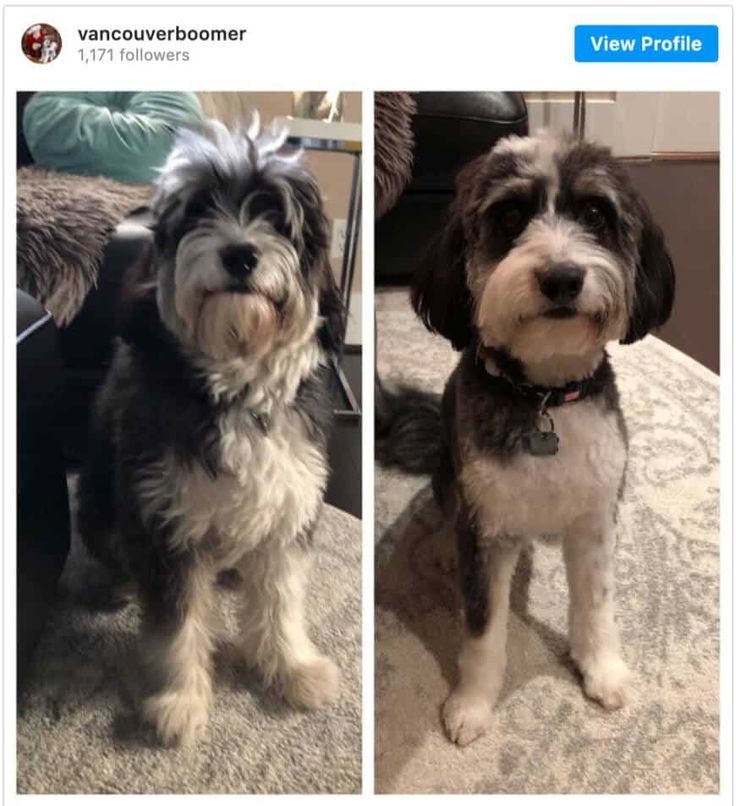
(511, 372)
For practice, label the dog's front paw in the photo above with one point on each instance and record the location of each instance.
(466, 716)
(608, 681)
(178, 717)
(311, 684)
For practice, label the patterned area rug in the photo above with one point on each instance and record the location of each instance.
(547, 738)
(76, 733)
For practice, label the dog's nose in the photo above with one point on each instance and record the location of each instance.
(561, 283)
(239, 260)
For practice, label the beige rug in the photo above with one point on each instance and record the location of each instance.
(547, 738)
(76, 733)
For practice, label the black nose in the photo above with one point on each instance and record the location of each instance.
(561, 283)
(239, 260)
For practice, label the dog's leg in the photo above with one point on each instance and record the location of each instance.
(588, 547)
(486, 571)
(445, 495)
(177, 631)
(98, 577)
(273, 631)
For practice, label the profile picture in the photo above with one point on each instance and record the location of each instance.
(41, 43)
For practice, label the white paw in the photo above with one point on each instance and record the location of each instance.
(466, 716)
(608, 681)
(178, 716)
(311, 684)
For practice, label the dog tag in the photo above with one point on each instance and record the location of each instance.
(541, 443)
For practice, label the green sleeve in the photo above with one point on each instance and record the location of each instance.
(123, 135)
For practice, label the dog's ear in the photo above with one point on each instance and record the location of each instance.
(331, 309)
(313, 227)
(654, 283)
(315, 258)
(439, 291)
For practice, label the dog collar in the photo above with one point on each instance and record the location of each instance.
(540, 439)
(499, 364)
(549, 397)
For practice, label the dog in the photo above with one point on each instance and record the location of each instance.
(207, 451)
(547, 254)
(49, 50)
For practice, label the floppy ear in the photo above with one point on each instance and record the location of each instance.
(314, 227)
(331, 309)
(315, 258)
(654, 284)
(439, 293)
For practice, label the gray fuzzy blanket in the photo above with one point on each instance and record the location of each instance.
(64, 222)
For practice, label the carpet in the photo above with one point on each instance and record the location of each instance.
(547, 737)
(64, 222)
(76, 732)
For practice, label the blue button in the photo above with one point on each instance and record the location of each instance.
(646, 43)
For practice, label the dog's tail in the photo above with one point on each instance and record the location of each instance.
(408, 428)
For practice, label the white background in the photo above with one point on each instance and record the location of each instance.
(366, 48)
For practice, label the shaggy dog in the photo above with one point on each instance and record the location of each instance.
(207, 450)
(548, 253)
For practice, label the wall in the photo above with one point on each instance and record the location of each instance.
(683, 195)
(635, 124)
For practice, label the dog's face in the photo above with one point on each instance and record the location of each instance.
(548, 251)
(240, 245)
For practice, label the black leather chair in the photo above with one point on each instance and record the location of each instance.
(43, 506)
(87, 342)
(450, 129)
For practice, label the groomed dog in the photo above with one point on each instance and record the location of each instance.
(548, 254)
(207, 450)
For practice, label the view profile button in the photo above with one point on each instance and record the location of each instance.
(646, 43)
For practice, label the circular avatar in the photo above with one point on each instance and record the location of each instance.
(41, 43)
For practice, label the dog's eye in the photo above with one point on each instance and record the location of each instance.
(268, 206)
(594, 215)
(197, 207)
(510, 218)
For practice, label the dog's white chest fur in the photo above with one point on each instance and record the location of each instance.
(270, 487)
(531, 496)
